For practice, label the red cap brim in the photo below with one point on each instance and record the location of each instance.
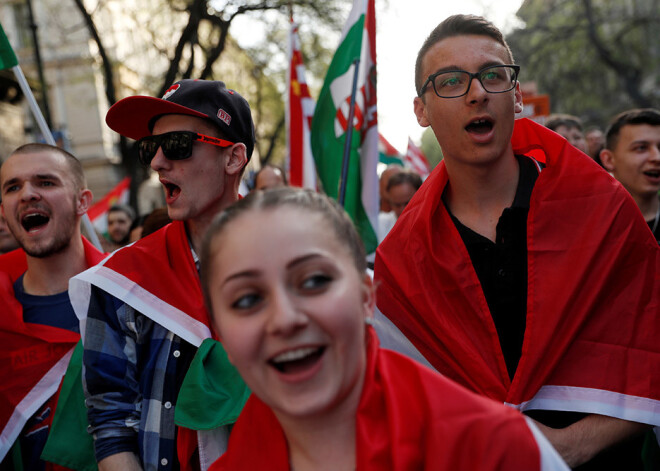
(132, 116)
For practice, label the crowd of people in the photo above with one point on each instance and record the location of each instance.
(245, 333)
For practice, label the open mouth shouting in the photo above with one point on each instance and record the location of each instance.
(172, 191)
(653, 175)
(298, 363)
(480, 127)
(34, 221)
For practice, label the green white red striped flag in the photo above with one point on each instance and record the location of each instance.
(7, 56)
(388, 153)
(330, 122)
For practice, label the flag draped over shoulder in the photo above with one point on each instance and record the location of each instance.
(300, 109)
(37, 355)
(98, 213)
(416, 160)
(592, 297)
(330, 122)
(7, 56)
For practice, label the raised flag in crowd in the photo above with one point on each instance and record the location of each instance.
(387, 153)
(98, 213)
(416, 160)
(7, 56)
(300, 109)
(330, 123)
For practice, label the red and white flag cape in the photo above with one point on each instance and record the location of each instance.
(593, 291)
(35, 356)
(416, 160)
(98, 213)
(300, 109)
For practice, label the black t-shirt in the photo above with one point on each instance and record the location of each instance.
(501, 266)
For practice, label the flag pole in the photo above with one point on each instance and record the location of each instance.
(48, 136)
(349, 136)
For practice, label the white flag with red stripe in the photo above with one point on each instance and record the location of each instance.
(416, 160)
(300, 109)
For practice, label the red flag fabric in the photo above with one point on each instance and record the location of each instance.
(157, 276)
(99, 211)
(408, 418)
(416, 160)
(300, 161)
(590, 342)
(36, 355)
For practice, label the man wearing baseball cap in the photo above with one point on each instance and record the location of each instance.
(142, 311)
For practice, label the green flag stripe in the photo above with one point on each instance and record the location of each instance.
(7, 56)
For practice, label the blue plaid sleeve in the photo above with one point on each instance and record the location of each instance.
(110, 375)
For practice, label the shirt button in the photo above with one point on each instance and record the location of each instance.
(168, 405)
(164, 461)
(176, 354)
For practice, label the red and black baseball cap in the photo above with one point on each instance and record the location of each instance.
(135, 116)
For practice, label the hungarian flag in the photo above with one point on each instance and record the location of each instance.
(416, 160)
(387, 153)
(300, 109)
(7, 56)
(98, 213)
(330, 123)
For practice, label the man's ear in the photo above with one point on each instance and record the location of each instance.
(420, 111)
(84, 201)
(607, 158)
(518, 106)
(237, 159)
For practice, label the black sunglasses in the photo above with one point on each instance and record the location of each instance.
(176, 145)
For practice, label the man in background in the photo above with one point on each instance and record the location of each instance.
(269, 177)
(632, 155)
(570, 127)
(120, 219)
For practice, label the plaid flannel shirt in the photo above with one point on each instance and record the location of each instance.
(131, 382)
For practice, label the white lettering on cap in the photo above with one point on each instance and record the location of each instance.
(224, 116)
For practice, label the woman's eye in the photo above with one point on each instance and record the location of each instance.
(316, 281)
(246, 301)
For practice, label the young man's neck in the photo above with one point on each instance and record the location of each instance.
(50, 275)
(196, 227)
(477, 195)
(648, 205)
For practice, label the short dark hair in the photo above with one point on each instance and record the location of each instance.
(635, 116)
(124, 208)
(556, 120)
(292, 197)
(457, 25)
(405, 176)
(74, 164)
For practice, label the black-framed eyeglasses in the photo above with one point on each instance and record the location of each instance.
(176, 145)
(456, 83)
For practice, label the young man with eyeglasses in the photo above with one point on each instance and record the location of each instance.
(142, 308)
(513, 276)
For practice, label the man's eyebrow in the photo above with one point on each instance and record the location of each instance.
(47, 176)
(9, 182)
(454, 68)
